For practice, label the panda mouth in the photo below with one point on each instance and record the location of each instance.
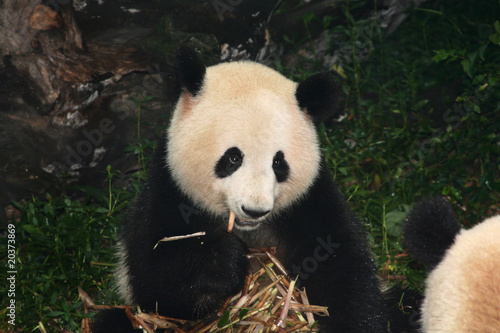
(234, 220)
(245, 223)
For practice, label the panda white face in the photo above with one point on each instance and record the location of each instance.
(243, 144)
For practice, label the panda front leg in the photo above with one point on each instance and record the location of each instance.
(187, 278)
(351, 294)
(344, 281)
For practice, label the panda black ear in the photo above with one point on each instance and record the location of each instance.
(190, 69)
(320, 96)
(430, 229)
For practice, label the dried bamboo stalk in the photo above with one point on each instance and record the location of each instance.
(174, 238)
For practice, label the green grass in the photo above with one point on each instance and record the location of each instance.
(422, 118)
(60, 244)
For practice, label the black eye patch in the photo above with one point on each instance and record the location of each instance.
(280, 167)
(229, 162)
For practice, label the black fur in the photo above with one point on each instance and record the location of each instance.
(190, 70)
(281, 167)
(229, 162)
(403, 307)
(111, 321)
(430, 229)
(320, 96)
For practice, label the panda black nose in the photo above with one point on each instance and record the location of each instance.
(254, 213)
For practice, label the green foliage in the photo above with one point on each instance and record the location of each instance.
(418, 122)
(61, 244)
(143, 147)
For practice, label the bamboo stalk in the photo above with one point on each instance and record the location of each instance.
(174, 238)
(286, 306)
(305, 300)
(230, 224)
(277, 263)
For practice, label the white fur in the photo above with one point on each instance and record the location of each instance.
(252, 107)
(122, 275)
(463, 291)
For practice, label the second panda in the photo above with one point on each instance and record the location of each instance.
(462, 292)
(242, 139)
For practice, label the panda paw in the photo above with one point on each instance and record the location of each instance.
(223, 273)
(227, 262)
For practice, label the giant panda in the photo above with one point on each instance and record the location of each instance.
(462, 292)
(242, 139)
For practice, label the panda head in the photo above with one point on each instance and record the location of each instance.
(242, 137)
